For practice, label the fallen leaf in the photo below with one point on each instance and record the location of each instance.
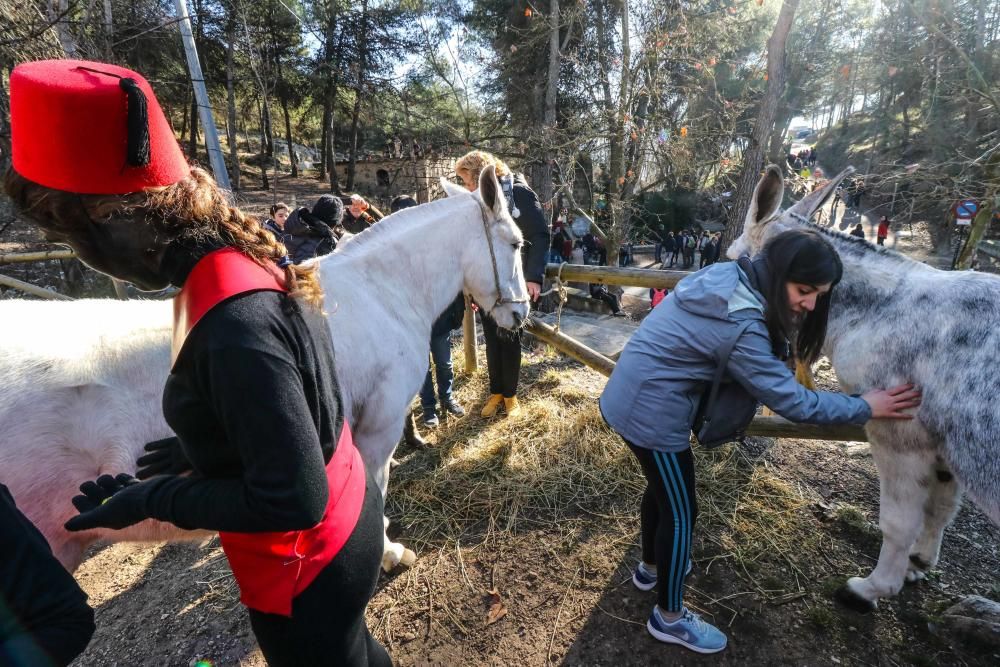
(497, 610)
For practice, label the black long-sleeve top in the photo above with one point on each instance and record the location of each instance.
(44, 617)
(253, 398)
(535, 230)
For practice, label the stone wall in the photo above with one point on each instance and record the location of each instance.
(384, 179)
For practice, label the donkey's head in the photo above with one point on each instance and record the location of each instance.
(491, 258)
(765, 217)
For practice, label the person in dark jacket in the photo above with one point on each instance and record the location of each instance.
(711, 251)
(310, 234)
(44, 617)
(653, 394)
(400, 202)
(589, 242)
(858, 231)
(253, 394)
(559, 238)
(503, 347)
(356, 217)
(669, 246)
(600, 292)
(678, 244)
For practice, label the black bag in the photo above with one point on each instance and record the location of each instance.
(726, 409)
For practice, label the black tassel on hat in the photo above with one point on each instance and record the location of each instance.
(137, 148)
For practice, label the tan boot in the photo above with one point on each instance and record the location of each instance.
(492, 405)
(511, 406)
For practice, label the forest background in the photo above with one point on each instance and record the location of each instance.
(661, 113)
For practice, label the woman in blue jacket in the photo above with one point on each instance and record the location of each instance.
(653, 394)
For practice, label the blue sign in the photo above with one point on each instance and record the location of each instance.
(966, 209)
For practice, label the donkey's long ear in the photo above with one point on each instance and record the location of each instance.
(805, 207)
(766, 197)
(489, 190)
(451, 189)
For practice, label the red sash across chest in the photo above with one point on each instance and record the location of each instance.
(272, 568)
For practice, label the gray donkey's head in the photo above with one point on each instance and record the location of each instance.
(765, 217)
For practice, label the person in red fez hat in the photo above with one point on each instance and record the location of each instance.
(96, 166)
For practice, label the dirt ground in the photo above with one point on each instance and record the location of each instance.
(528, 575)
(550, 583)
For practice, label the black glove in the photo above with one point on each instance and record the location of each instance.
(165, 457)
(110, 502)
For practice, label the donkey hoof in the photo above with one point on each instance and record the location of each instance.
(395, 555)
(918, 568)
(847, 596)
(389, 561)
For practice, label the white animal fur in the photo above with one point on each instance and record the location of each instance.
(82, 380)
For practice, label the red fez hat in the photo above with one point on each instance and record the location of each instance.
(90, 128)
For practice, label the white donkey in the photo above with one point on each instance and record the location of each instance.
(895, 320)
(82, 380)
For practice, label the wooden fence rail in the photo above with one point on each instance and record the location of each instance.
(32, 289)
(612, 275)
(38, 256)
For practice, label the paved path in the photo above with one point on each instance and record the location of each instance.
(913, 240)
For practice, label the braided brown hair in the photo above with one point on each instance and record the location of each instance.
(194, 206)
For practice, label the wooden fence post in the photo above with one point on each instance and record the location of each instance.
(469, 337)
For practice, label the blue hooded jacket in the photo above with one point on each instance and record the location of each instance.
(653, 394)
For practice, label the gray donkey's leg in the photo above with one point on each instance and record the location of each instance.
(904, 478)
(941, 506)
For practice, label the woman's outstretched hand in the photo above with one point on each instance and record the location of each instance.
(890, 403)
(109, 502)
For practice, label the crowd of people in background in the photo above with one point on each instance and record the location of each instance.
(803, 158)
(680, 249)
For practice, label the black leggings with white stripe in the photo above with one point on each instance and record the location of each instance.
(668, 513)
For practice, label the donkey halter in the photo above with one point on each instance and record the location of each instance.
(501, 299)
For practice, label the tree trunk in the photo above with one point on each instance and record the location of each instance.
(57, 9)
(331, 155)
(265, 143)
(333, 59)
(4, 126)
(193, 138)
(234, 153)
(978, 57)
(196, 27)
(353, 157)
(545, 190)
(358, 94)
(184, 115)
(288, 137)
(323, 139)
(753, 158)
(781, 126)
(616, 129)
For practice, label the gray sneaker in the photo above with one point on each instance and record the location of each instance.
(689, 631)
(430, 419)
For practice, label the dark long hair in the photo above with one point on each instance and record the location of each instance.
(800, 256)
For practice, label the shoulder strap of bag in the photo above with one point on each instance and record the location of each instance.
(720, 371)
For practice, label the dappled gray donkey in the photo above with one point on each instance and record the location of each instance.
(894, 320)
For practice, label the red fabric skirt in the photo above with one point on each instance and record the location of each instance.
(272, 568)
